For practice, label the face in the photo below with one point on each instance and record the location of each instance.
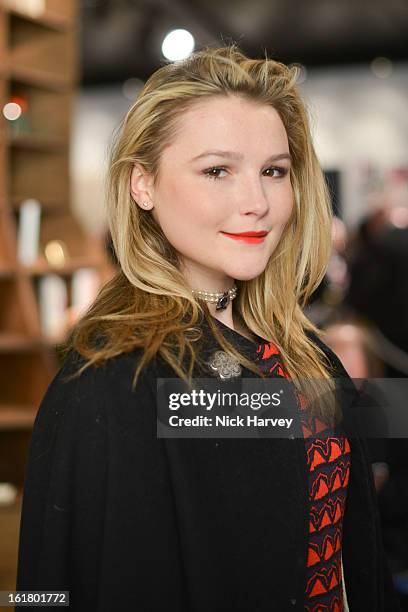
(203, 200)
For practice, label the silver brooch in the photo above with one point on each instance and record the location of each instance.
(225, 365)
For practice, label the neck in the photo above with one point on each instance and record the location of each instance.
(229, 318)
(202, 279)
(226, 316)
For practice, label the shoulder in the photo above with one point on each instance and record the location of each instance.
(113, 376)
(84, 407)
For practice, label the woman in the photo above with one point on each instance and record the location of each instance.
(214, 147)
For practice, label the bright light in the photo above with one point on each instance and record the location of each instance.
(381, 67)
(56, 253)
(12, 111)
(177, 45)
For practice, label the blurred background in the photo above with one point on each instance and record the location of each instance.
(69, 70)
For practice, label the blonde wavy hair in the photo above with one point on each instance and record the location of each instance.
(148, 303)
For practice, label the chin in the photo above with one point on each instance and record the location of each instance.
(245, 274)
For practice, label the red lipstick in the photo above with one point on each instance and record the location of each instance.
(249, 237)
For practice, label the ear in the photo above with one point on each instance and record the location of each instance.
(141, 186)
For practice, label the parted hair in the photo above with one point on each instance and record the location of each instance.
(148, 304)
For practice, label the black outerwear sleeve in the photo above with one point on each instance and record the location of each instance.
(387, 600)
(128, 521)
(76, 533)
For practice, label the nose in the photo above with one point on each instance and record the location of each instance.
(253, 197)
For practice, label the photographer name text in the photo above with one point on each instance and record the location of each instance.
(227, 421)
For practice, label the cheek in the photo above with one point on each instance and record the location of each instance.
(197, 210)
(184, 214)
(286, 205)
(182, 198)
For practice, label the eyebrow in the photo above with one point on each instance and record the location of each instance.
(239, 156)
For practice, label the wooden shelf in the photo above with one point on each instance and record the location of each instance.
(43, 43)
(39, 172)
(13, 319)
(48, 205)
(39, 66)
(36, 77)
(37, 142)
(46, 19)
(38, 69)
(67, 269)
(13, 507)
(15, 343)
(17, 417)
(7, 272)
(25, 375)
(9, 531)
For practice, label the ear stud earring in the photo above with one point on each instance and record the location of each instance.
(145, 204)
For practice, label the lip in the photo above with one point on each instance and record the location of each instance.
(257, 234)
(248, 237)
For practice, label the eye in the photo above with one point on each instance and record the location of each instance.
(213, 173)
(281, 171)
(209, 171)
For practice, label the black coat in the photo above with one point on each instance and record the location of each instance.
(128, 521)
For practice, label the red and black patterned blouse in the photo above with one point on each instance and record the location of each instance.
(329, 460)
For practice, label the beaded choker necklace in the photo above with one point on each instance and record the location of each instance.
(222, 298)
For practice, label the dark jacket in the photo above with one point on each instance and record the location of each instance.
(127, 521)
